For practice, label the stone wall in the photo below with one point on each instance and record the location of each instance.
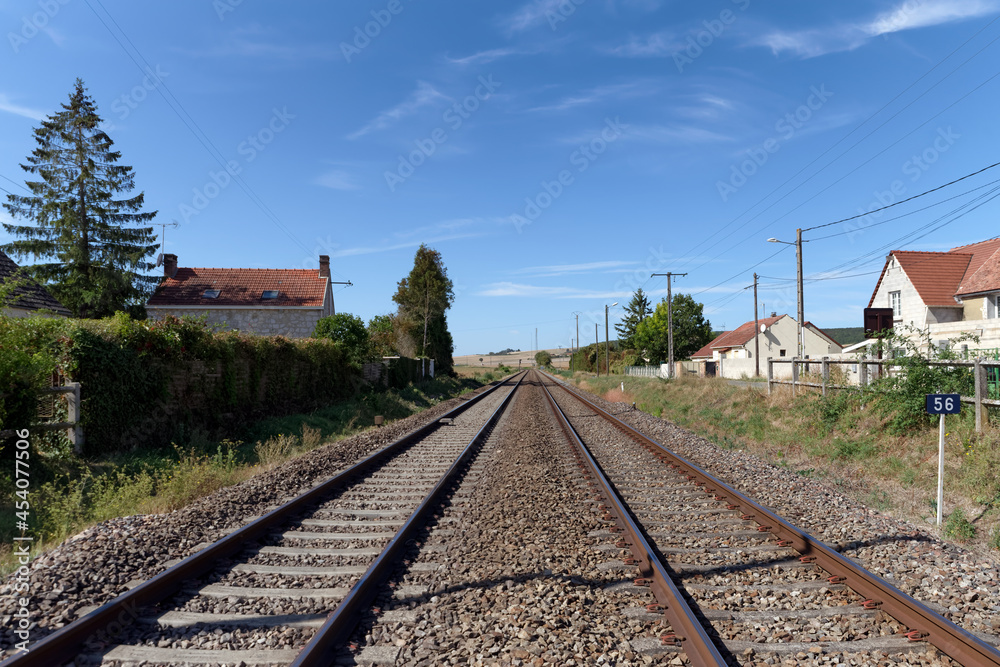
(292, 323)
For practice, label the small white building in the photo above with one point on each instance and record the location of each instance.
(776, 337)
(267, 302)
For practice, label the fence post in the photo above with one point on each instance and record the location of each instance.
(75, 433)
(979, 378)
(863, 373)
(770, 375)
(826, 373)
(795, 373)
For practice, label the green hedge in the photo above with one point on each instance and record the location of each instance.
(151, 383)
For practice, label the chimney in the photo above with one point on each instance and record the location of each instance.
(324, 266)
(169, 265)
(774, 313)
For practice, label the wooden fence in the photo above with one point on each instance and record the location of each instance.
(874, 368)
(72, 426)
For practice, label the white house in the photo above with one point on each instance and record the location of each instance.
(777, 338)
(944, 294)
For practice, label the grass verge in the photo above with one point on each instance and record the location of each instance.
(68, 493)
(840, 441)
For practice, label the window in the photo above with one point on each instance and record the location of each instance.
(894, 299)
(781, 353)
(269, 294)
(211, 294)
(996, 305)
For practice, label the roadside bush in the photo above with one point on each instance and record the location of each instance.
(349, 332)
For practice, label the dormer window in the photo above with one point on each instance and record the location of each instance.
(211, 294)
(269, 294)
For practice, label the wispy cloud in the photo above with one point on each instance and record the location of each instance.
(657, 45)
(389, 246)
(610, 266)
(535, 13)
(484, 57)
(908, 15)
(503, 289)
(18, 110)
(338, 179)
(255, 41)
(599, 93)
(424, 95)
(675, 134)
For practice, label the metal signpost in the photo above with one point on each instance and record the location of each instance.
(942, 404)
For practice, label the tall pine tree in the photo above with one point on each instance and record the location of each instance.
(423, 297)
(95, 245)
(635, 312)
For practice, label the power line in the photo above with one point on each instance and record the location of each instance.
(736, 275)
(858, 127)
(940, 187)
(192, 125)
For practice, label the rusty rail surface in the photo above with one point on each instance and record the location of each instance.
(925, 624)
(688, 632)
(321, 650)
(66, 643)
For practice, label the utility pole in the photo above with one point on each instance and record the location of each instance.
(670, 322)
(597, 349)
(756, 327)
(802, 323)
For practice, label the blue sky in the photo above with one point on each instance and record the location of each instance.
(555, 152)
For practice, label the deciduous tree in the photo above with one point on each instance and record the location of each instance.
(691, 330)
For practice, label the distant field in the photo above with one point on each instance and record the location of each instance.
(560, 359)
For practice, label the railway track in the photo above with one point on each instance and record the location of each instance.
(736, 583)
(289, 587)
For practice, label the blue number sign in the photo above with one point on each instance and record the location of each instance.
(944, 404)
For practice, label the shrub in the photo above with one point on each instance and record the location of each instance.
(543, 358)
(349, 332)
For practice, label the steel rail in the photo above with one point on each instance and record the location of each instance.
(689, 632)
(65, 643)
(924, 623)
(321, 650)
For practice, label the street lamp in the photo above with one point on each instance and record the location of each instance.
(607, 341)
(798, 260)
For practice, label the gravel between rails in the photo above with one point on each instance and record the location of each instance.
(96, 565)
(960, 585)
(519, 580)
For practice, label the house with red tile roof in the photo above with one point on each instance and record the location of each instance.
(944, 293)
(29, 298)
(282, 302)
(776, 337)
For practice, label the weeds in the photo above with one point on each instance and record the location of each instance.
(958, 527)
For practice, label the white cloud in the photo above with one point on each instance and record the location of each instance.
(535, 13)
(338, 179)
(599, 93)
(424, 95)
(18, 110)
(673, 134)
(502, 289)
(563, 269)
(653, 46)
(483, 57)
(913, 14)
(908, 15)
(388, 247)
